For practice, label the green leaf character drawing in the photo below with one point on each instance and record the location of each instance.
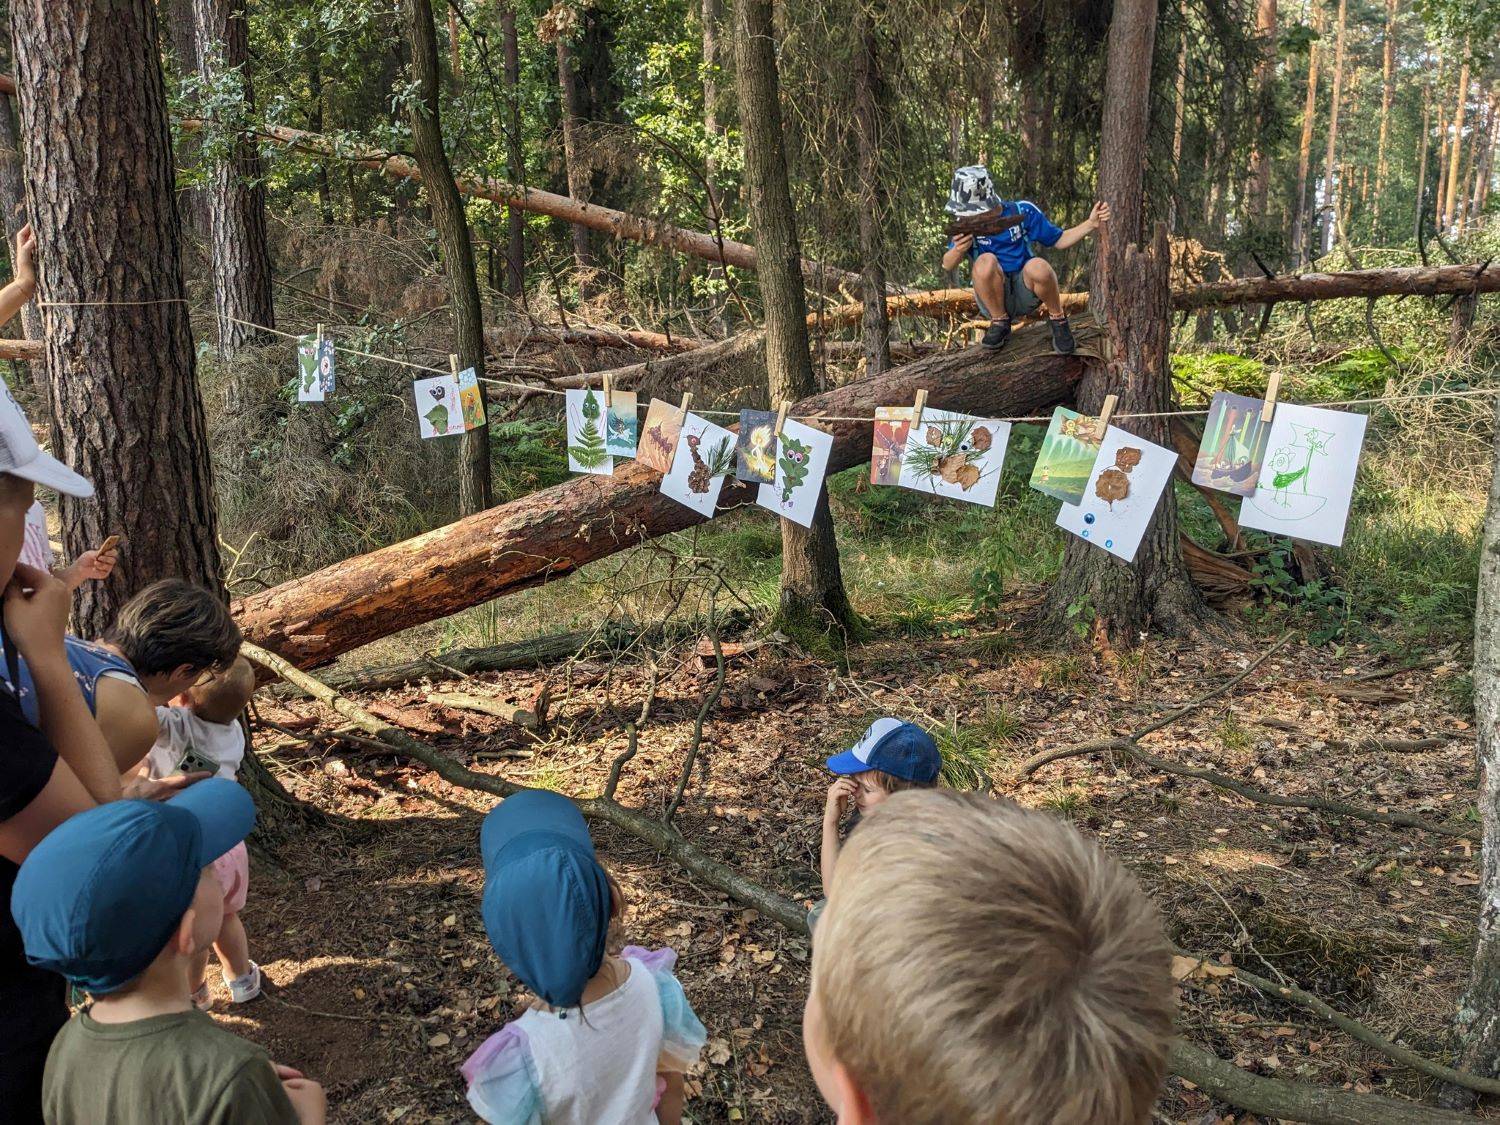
(307, 363)
(793, 462)
(590, 450)
(437, 418)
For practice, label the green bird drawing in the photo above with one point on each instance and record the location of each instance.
(793, 462)
(437, 418)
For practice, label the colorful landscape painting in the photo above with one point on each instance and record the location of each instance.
(1067, 457)
(888, 444)
(622, 427)
(755, 447)
(1233, 446)
(659, 435)
(471, 398)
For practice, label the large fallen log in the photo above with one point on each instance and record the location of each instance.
(1397, 281)
(551, 533)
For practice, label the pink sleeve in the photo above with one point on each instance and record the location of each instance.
(662, 960)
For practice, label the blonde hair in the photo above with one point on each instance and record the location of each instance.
(228, 693)
(980, 962)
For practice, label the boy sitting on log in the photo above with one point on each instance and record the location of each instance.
(995, 236)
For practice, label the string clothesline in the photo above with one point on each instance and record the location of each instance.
(529, 388)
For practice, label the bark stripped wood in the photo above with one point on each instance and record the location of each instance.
(527, 718)
(595, 336)
(551, 533)
(119, 344)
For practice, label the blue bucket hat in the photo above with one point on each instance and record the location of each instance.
(900, 749)
(104, 891)
(546, 904)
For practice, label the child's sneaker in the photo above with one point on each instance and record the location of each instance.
(1062, 336)
(996, 335)
(246, 988)
(202, 1000)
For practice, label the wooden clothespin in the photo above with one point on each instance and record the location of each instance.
(781, 417)
(687, 400)
(606, 390)
(1104, 416)
(919, 406)
(320, 337)
(1273, 388)
(453, 363)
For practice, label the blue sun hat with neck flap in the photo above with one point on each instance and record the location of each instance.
(546, 904)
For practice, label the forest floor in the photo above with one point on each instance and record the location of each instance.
(381, 980)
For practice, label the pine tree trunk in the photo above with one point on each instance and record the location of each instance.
(1131, 288)
(1478, 1017)
(181, 39)
(1330, 166)
(578, 176)
(1265, 80)
(1300, 225)
(813, 600)
(1179, 117)
(1449, 195)
(1387, 91)
(453, 236)
(238, 253)
(712, 19)
(13, 203)
(515, 244)
(1423, 150)
(315, 123)
(125, 405)
(869, 108)
(455, 61)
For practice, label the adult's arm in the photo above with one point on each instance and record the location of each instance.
(23, 283)
(62, 797)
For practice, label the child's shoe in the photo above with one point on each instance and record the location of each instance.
(246, 988)
(1062, 336)
(202, 1000)
(996, 335)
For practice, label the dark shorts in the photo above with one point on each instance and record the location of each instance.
(1019, 299)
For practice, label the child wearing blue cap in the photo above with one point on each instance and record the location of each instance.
(609, 1036)
(120, 900)
(890, 756)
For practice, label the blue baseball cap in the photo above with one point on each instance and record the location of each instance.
(546, 902)
(104, 891)
(900, 749)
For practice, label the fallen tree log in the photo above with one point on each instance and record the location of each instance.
(312, 619)
(1396, 281)
(590, 335)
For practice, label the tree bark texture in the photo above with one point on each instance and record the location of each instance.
(125, 405)
(1479, 1010)
(812, 586)
(236, 196)
(1449, 195)
(1265, 82)
(1304, 147)
(1420, 207)
(551, 533)
(870, 102)
(515, 158)
(13, 203)
(1330, 165)
(577, 173)
(1387, 92)
(453, 235)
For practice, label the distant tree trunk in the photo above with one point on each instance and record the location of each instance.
(125, 405)
(515, 245)
(238, 253)
(1478, 1018)
(181, 43)
(1487, 164)
(1028, 20)
(1265, 81)
(1179, 117)
(455, 61)
(1131, 293)
(1300, 225)
(1424, 152)
(453, 235)
(315, 123)
(712, 18)
(1330, 166)
(870, 101)
(1450, 184)
(813, 600)
(13, 204)
(1387, 91)
(578, 176)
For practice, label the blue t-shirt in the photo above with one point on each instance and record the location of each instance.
(1012, 247)
(89, 662)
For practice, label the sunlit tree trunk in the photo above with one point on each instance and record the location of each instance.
(1423, 151)
(453, 236)
(1300, 225)
(1265, 78)
(813, 600)
(578, 176)
(1455, 154)
(515, 243)
(1330, 165)
(1387, 91)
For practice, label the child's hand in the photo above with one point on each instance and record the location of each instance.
(95, 565)
(36, 621)
(962, 243)
(306, 1096)
(840, 794)
(1100, 214)
(23, 260)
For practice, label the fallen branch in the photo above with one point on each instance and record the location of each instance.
(523, 717)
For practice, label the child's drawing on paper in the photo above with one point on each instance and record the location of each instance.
(755, 447)
(587, 450)
(622, 424)
(1121, 493)
(1233, 445)
(800, 467)
(1069, 450)
(471, 398)
(438, 411)
(659, 435)
(704, 457)
(309, 386)
(1308, 478)
(889, 443)
(325, 366)
(955, 455)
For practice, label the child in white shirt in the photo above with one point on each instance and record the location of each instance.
(609, 1037)
(200, 731)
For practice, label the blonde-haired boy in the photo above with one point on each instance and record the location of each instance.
(983, 963)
